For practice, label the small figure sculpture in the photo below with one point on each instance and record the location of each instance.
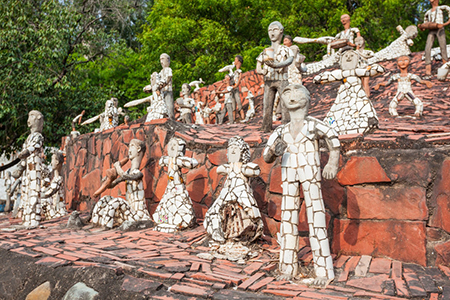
(199, 113)
(443, 71)
(109, 211)
(157, 109)
(228, 102)
(196, 83)
(185, 104)
(273, 63)
(53, 205)
(251, 108)
(228, 69)
(347, 36)
(235, 82)
(434, 22)
(404, 87)
(109, 118)
(235, 217)
(74, 133)
(352, 111)
(165, 84)
(297, 142)
(31, 169)
(175, 211)
(295, 75)
(364, 55)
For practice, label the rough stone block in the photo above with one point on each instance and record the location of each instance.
(442, 253)
(275, 180)
(404, 241)
(91, 182)
(399, 202)
(218, 157)
(416, 172)
(360, 170)
(440, 199)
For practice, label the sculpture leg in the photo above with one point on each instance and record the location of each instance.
(230, 112)
(442, 44)
(428, 46)
(168, 99)
(285, 117)
(213, 221)
(269, 97)
(315, 212)
(417, 103)
(290, 207)
(393, 106)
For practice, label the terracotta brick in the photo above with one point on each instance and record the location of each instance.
(349, 267)
(81, 157)
(282, 293)
(275, 180)
(415, 172)
(139, 285)
(261, 284)
(252, 268)
(91, 182)
(373, 284)
(161, 184)
(162, 133)
(140, 135)
(218, 157)
(442, 253)
(382, 203)
(360, 170)
(265, 167)
(197, 183)
(440, 199)
(333, 195)
(107, 144)
(271, 227)
(402, 290)
(199, 210)
(380, 265)
(190, 291)
(400, 240)
(274, 207)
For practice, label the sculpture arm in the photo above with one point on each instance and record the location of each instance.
(187, 162)
(164, 161)
(331, 139)
(327, 77)
(135, 176)
(370, 71)
(139, 101)
(429, 84)
(260, 66)
(270, 151)
(223, 169)
(251, 170)
(320, 40)
(52, 189)
(280, 64)
(91, 120)
(14, 186)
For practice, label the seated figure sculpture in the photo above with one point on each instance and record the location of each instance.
(175, 211)
(109, 211)
(235, 217)
(157, 109)
(404, 87)
(52, 202)
(109, 118)
(297, 142)
(352, 111)
(185, 104)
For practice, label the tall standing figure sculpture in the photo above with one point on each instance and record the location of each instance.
(53, 205)
(273, 63)
(109, 211)
(165, 83)
(297, 142)
(175, 211)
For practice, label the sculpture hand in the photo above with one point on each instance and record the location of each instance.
(429, 84)
(440, 26)
(270, 63)
(376, 87)
(118, 168)
(24, 154)
(330, 171)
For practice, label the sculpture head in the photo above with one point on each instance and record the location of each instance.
(227, 79)
(57, 160)
(136, 149)
(403, 62)
(360, 43)
(176, 147)
(275, 31)
(411, 31)
(349, 60)
(164, 59)
(434, 2)
(345, 20)
(35, 121)
(185, 89)
(238, 150)
(295, 97)
(287, 41)
(238, 61)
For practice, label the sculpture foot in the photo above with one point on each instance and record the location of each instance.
(284, 277)
(217, 237)
(321, 282)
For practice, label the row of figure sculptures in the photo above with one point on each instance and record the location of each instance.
(234, 221)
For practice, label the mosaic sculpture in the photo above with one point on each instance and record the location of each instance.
(404, 87)
(250, 114)
(109, 118)
(235, 82)
(273, 63)
(297, 142)
(175, 211)
(185, 104)
(74, 133)
(165, 84)
(31, 171)
(443, 71)
(110, 212)
(157, 109)
(352, 111)
(434, 22)
(228, 102)
(364, 55)
(234, 218)
(294, 71)
(52, 202)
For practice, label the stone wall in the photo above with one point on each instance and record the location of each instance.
(386, 201)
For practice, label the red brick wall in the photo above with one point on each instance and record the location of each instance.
(384, 202)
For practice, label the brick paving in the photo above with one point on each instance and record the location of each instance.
(169, 263)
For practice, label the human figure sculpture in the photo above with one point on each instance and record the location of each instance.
(109, 211)
(109, 118)
(234, 215)
(294, 71)
(443, 71)
(404, 87)
(175, 211)
(53, 205)
(251, 108)
(74, 133)
(297, 142)
(8, 184)
(185, 104)
(352, 111)
(31, 171)
(434, 22)
(228, 102)
(165, 84)
(235, 82)
(364, 55)
(157, 109)
(273, 63)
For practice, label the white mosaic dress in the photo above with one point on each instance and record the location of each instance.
(111, 212)
(175, 211)
(53, 200)
(157, 109)
(352, 111)
(235, 213)
(31, 180)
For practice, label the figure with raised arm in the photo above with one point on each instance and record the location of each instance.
(175, 211)
(404, 87)
(297, 143)
(273, 63)
(110, 212)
